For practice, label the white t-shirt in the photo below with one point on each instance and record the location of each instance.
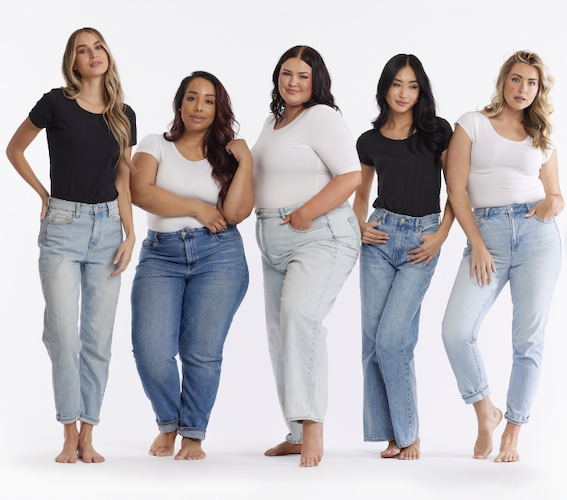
(292, 164)
(176, 174)
(502, 172)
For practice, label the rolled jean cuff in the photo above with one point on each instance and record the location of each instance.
(68, 420)
(190, 432)
(167, 427)
(514, 421)
(290, 440)
(478, 396)
(89, 420)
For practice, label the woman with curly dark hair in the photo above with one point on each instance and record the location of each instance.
(306, 170)
(195, 182)
(400, 246)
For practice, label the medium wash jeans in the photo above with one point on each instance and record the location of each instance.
(527, 253)
(303, 274)
(78, 242)
(391, 293)
(187, 288)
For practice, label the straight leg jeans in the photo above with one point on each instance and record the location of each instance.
(187, 288)
(392, 290)
(78, 242)
(303, 274)
(527, 253)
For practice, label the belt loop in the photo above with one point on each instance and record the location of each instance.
(77, 210)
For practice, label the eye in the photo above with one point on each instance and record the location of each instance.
(82, 51)
(99, 47)
(210, 102)
(515, 79)
(304, 77)
(532, 83)
(414, 87)
(395, 84)
(190, 98)
(286, 73)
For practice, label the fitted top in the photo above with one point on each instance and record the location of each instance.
(292, 164)
(180, 176)
(502, 172)
(82, 150)
(409, 177)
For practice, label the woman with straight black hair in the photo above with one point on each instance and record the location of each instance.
(400, 246)
(306, 168)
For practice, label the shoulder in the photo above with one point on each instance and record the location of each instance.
(324, 119)
(322, 111)
(129, 112)
(368, 137)
(151, 144)
(442, 123)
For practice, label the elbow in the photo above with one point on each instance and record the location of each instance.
(237, 216)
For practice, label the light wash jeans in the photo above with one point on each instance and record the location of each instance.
(78, 242)
(187, 288)
(391, 293)
(303, 274)
(527, 253)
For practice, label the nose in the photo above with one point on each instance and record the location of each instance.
(293, 81)
(198, 106)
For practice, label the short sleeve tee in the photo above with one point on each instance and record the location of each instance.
(180, 176)
(82, 150)
(409, 178)
(294, 163)
(502, 172)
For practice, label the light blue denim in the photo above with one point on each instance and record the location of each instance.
(303, 274)
(187, 288)
(527, 254)
(78, 242)
(392, 290)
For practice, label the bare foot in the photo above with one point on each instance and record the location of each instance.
(69, 453)
(509, 444)
(391, 451)
(284, 448)
(488, 417)
(86, 452)
(163, 445)
(190, 450)
(410, 452)
(312, 447)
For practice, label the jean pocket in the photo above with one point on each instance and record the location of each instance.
(543, 221)
(59, 217)
(229, 234)
(316, 224)
(479, 220)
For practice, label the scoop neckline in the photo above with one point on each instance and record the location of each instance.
(183, 157)
(501, 136)
(86, 110)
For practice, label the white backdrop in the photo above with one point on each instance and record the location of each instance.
(156, 44)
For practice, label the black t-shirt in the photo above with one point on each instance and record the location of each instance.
(82, 150)
(409, 180)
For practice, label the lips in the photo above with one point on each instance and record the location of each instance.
(520, 99)
(292, 91)
(95, 64)
(197, 118)
(402, 103)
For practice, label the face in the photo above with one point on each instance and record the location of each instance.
(404, 91)
(295, 82)
(91, 60)
(198, 107)
(521, 86)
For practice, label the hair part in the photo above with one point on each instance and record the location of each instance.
(431, 135)
(536, 119)
(113, 113)
(320, 78)
(219, 134)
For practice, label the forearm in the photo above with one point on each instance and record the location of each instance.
(159, 201)
(461, 207)
(239, 200)
(334, 194)
(360, 207)
(21, 165)
(125, 209)
(447, 221)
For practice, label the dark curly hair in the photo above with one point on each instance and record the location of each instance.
(321, 80)
(219, 134)
(430, 133)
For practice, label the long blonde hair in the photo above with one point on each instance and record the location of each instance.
(536, 120)
(113, 113)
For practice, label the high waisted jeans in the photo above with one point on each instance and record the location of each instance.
(527, 253)
(391, 293)
(187, 288)
(303, 274)
(78, 242)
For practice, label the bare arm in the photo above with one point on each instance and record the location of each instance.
(334, 194)
(369, 234)
(432, 242)
(553, 203)
(239, 200)
(124, 254)
(23, 137)
(159, 201)
(458, 167)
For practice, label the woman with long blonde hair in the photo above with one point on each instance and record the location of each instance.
(502, 163)
(90, 132)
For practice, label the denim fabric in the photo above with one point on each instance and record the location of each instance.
(78, 242)
(303, 274)
(527, 253)
(187, 288)
(391, 293)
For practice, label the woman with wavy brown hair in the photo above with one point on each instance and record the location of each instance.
(89, 132)
(195, 182)
(502, 163)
